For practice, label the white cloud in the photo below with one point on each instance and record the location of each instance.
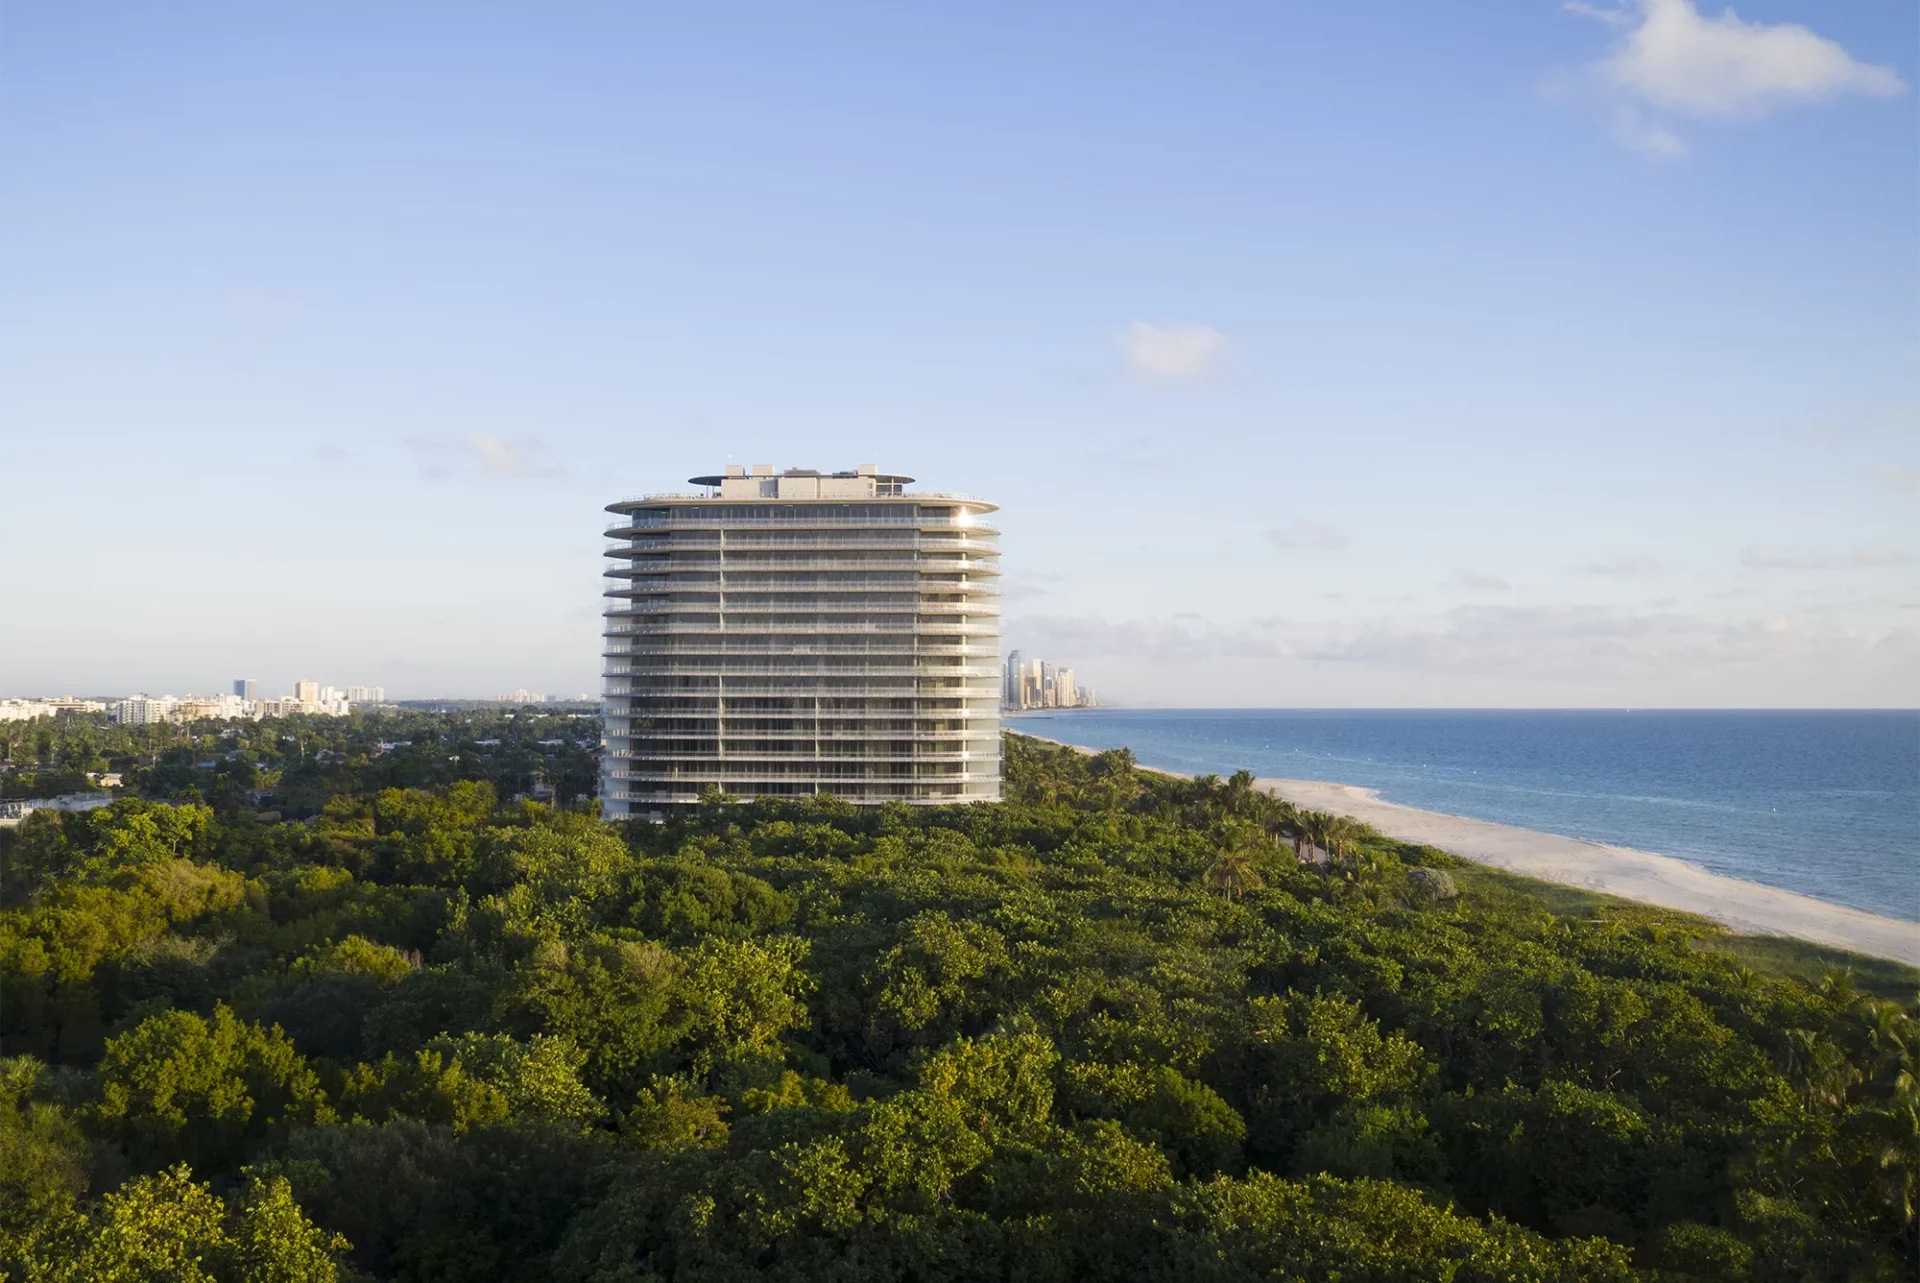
(1583, 642)
(494, 456)
(1624, 567)
(503, 459)
(1907, 479)
(1172, 351)
(1612, 17)
(1635, 129)
(1673, 59)
(1024, 585)
(1772, 557)
(1315, 535)
(1465, 578)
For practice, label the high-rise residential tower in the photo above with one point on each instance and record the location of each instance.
(798, 633)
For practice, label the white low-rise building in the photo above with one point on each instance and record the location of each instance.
(12, 812)
(20, 710)
(143, 710)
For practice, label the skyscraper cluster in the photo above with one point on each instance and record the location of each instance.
(309, 697)
(1034, 683)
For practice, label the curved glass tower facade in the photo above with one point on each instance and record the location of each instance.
(797, 633)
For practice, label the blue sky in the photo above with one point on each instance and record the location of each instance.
(1436, 354)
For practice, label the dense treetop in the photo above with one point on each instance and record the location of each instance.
(1120, 1026)
(302, 761)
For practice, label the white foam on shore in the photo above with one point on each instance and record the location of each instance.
(1741, 906)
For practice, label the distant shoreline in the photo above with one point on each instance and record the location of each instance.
(1746, 908)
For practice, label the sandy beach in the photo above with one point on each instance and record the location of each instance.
(1745, 907)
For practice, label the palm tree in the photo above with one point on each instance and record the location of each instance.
(1341, 836)
(1117, 769)
(1897, 1154)
(1821, 1065)
(1887, 1035)
(1312, 828)
(1233, 871)
(1277, 816)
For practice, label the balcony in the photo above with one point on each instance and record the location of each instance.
(884, 661)
(708, 713)
(872, 666)
(907, 688)
(738, 565)
(623, 548)
(719, 774)
(788, 589)
(807, 630)
(680, 522)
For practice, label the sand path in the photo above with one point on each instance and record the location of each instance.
(1745, 907)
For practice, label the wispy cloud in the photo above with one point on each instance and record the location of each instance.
(1625, 567)
(1316, 536)
(1576, 641)
(1025, 585)
(522, 458)
(1172, 351)
(500, 458)
(1907, 479)
(1672, 60)
(1479, 581)
(1773, 557)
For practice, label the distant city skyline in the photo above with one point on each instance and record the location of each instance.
(1445, 355)
(1030, 683)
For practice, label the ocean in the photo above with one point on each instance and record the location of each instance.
(1826, 804)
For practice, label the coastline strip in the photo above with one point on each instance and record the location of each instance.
(1747, 908)
(1743, 907)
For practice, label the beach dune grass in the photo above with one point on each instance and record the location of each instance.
(1804, 960)
(1772, 955)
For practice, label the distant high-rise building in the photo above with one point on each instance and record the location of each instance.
(1010, 681)
(143, 710)
(246, 688)
(801, 633)
(366, 694)
(306, 694)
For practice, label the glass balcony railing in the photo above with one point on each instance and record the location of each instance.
(733, 566)
(733, 626)
(876, 660)
(686, 522)
(641, 546)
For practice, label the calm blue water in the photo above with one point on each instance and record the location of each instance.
(1825, 804)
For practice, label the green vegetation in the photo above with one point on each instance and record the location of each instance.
(1119, 1027)
(1813, 963)
(300, 762)
(1772, 955)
